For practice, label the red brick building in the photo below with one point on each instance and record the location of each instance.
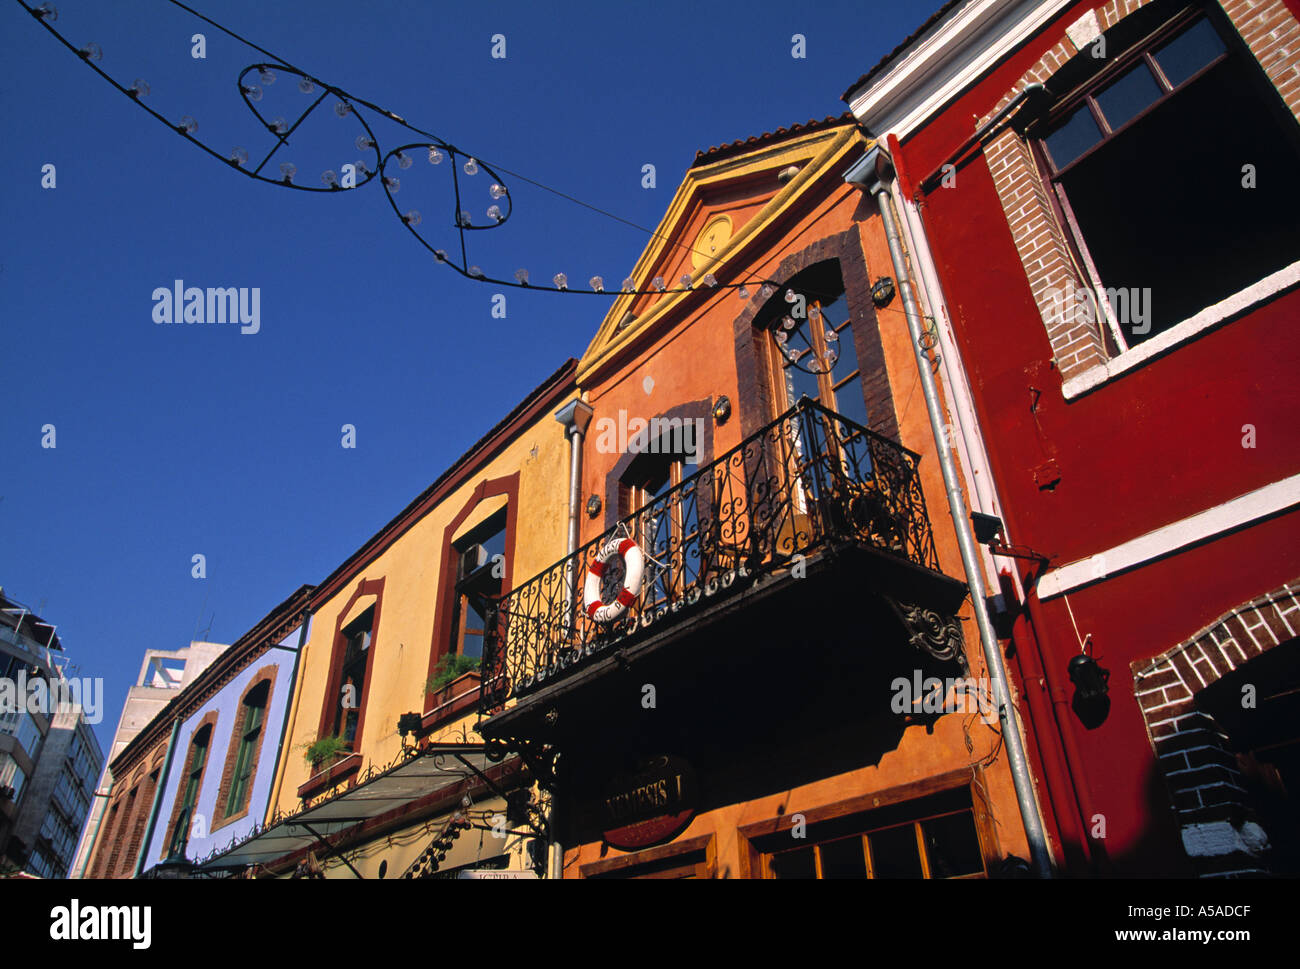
(1100, 206)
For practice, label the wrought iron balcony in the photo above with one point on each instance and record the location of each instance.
(808, 480)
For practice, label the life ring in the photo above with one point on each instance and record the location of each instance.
(634, 566)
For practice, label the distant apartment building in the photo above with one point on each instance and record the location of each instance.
(49, 756)
(163, 674)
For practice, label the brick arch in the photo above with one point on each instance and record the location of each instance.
(1191, 747)
(751, 365)
(1265, 27)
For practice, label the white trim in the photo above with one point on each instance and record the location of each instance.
(952, 56)
(973, 458)
(1206, 319)
(1252, 506)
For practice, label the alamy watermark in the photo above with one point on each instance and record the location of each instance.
(1129, 307)
(658, 435)
(216, 304)
(951, 695)
(35, 694)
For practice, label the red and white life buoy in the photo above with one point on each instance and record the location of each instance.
(633, 566)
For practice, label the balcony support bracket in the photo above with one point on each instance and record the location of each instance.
(539, 757)
(937, 633)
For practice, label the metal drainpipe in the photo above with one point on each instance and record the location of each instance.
(99, 822)
(873, 173)
(157, 799)
(575, 416)
(1044, 706)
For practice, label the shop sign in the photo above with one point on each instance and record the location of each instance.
(650, 807)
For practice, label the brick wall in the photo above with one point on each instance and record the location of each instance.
(1271, 32)
(1207, 794)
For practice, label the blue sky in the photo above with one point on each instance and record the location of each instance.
(179, 440)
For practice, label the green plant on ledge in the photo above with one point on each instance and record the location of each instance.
(450, 667)
(324, 750)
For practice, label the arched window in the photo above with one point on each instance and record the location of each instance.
(191, 781)
(812, 346)
(248, 740)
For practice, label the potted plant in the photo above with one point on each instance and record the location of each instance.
(325, 751)
(449, 669)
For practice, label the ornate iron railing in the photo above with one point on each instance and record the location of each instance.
(809, 478)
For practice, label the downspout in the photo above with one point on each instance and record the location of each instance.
(872, 173)
(289, 708)
(290, 717)
(157, 799)
(1043, 703)
(99, 823)
(575, 416)
(1062, 716)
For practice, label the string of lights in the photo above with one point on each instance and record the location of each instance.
(256, 77)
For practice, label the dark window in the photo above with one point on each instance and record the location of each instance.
(1150, 160)
(192, 781)
(480, 572)
(662, 491)
(352, 680)
(250, 735)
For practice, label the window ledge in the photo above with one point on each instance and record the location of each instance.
(332, 775)
(1206, 319)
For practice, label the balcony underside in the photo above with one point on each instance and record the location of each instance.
(855, 614)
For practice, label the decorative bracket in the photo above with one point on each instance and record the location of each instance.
(937, 633)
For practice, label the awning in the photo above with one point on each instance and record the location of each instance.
(434, 768)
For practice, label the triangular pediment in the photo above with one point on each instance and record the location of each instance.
(721, 213)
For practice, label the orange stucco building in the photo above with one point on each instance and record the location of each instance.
(755, 710)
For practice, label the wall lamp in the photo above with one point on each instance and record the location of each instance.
(1089, 679)
(408, 723)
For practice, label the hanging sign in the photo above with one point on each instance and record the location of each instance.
(650, 807)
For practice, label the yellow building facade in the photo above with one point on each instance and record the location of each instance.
(383, 775)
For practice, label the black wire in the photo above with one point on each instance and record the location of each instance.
(398, 119)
